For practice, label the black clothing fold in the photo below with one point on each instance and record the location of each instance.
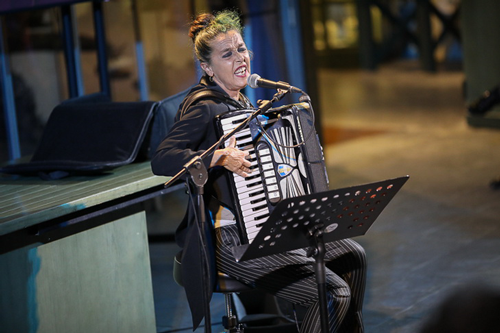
(194, 132)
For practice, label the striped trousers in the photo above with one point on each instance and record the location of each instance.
(291, 276)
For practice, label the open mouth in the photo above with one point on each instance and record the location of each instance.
(241, 71)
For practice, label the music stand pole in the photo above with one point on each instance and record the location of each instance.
(317, 251)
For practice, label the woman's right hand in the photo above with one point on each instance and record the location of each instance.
(232, 158)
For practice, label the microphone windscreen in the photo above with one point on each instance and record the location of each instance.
(252, 80)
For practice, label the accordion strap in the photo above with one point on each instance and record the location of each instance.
(209, 94)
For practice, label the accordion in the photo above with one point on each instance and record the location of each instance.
(287, 161)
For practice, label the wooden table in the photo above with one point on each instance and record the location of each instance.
(74, 253)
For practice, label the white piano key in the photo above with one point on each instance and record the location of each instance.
(250, 194)
(242, 191)
(253, 192)
(255, 227)
(241, 134)
(250, 212)
(244, 132)
(247, 201)
(249, 180)
(253, 223)
(253, 230)
(245, 147)
(231, 120)
(230, 126)
(243, 184)
(255, 216)
(251, 236)
(243, 141)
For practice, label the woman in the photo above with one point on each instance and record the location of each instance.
(225, 61)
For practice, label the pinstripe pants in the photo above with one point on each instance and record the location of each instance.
(291, 276)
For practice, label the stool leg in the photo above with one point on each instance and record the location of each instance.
(230, 321)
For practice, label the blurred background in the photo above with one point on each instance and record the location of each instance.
(60, 49)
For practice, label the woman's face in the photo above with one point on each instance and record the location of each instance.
(230, 62)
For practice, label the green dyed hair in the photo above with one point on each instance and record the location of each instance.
(207, 26)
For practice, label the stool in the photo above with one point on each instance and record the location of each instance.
(273, 322)
(226, 285)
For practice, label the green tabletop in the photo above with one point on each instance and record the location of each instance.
(26, 201)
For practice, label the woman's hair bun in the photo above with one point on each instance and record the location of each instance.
(206, 27)
(200, 22)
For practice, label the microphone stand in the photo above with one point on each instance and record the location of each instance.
(199, 176)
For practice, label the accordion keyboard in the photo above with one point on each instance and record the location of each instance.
(249, 190)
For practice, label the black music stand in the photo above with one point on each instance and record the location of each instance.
(311, 220)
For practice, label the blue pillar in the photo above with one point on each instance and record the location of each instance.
(9, 107)
(71, 53)
(102, 57)
(249, 92)
(139, 55)
(269, 56)
(291, 32)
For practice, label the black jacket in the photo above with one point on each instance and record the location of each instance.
(194, 132)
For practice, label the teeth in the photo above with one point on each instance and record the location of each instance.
(240, 71)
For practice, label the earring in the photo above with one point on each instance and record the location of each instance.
(211, 78)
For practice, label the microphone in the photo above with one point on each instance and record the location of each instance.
(255, 81)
